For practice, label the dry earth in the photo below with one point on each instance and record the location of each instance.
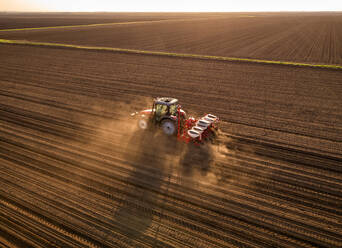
(75, 171)
(310, 38)
(35, 20)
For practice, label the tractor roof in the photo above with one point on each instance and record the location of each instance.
(166, 100)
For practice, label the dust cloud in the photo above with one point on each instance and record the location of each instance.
(189, 165)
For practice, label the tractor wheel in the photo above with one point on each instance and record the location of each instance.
(142, 124)
(168, 127)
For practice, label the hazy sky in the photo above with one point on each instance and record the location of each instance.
(171, 5)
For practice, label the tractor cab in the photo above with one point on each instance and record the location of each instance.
(164, 107)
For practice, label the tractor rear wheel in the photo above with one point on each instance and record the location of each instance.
(168, 127)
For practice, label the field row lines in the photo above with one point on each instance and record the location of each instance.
(121, 23)
(134, 181)
(96, 177)
(168, 54)
(92, 25)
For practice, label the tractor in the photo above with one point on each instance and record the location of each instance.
(169, 116)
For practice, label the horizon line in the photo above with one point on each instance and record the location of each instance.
(272, 11)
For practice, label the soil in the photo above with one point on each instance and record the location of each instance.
(309, 38)
(75, 171)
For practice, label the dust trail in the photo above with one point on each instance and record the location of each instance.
(194, 166)
(113, 133)
(214, 165)
(145, 156)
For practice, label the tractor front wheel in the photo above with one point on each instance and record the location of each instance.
(168, 127)
(142, 124)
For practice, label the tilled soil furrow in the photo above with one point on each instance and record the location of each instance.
(166, 216)
(217, 217)
(300, 125)
(183, 223)
(75, 173)
(53, 148)
(40, 234)
(74, 200)
(290, 195)
(73, 217)
(277, 37)
(307, 186)
(90, 129)
(232, 167)
(230, 114)
(30, 212)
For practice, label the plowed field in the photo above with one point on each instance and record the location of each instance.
(37, 20)
(299, 38)
(75, 171)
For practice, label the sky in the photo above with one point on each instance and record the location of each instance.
(170, 5)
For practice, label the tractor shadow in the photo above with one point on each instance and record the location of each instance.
(195, 158)
(146, 152)
(196, 166)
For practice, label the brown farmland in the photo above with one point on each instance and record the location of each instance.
(35, 20)
(74, 172)
(292, 37)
